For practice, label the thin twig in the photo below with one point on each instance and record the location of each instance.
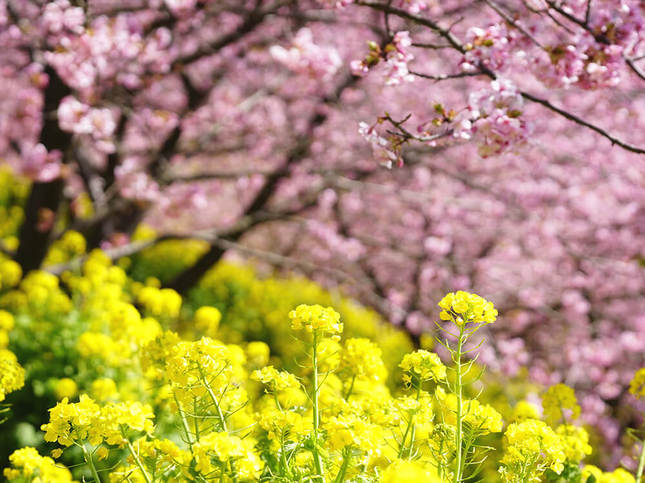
(582, 122)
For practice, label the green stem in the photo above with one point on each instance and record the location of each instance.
(408, 428)
(412, 437)
(458, 393)
(138, 461)
(277, 402)
(213, 397)
(184, 422)
(316, 415)
(405, 436)
(351, 387)
(88, 459)
(283, 456)
(195, 421)
(641, 464)
(220, 416)
(343, 469)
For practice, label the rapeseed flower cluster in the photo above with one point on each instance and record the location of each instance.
(275, 380)
(69, 246)
(6, 324)
(75, 423)
(257, 353)
(465, 308)
(422, 366)
(13, 193)
(65, 388)
(595, 474)
(157, 302)
(12, 375)
(223, 452)
(316, 318)
(637, 385)
(348, 401)
(10, 273)
(559, 403)
(530, 447)
(207, 320)
(28, 465)
(481, 418)
(575, 441)
(40, 293)
(525, 410)
(363, 359)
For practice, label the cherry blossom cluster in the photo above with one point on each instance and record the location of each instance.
(305, 57)
(97, 123)
(585, 63)
(593, 54)
(495, 47)
(496, 118)
(333, 242)
(396, 56)
(111, 51)
(386, 150)
(60, 17)
(39, 164)
(134, 182)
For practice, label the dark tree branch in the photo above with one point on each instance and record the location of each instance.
(372, 288)
(44, 199)
(442, 77)
(582, 122)
(252, 20)
(445, 33)
(301, 149)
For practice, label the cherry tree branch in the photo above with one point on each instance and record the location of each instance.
(44, 198)
(458, 46)
(300, 150)
(598, 36)
(442, 77)
(582, 122)
(443, 32)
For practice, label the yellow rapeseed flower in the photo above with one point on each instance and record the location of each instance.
(619, 475)
(12, 375)
(362, 358)
(423, 365)
(559, 403)
(316, 318)
(637, 385)
(6, 320)
(207, 319)
(467, 308)
(65, 388)
(575, 441)
(85, 420)
(274, 379)
(408, 471)
(257, 353)
(530, 447)
(10, 274)
(28, 465)
(104, 389)
(525, 410)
